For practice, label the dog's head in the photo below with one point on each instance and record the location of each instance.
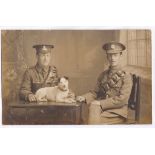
(63, 83)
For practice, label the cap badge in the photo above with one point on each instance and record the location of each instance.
(113, 46)
(44, 48)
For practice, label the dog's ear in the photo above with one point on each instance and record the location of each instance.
(67, 78)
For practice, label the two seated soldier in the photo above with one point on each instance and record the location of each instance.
(108, 102)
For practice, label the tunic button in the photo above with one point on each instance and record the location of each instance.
(107, 96)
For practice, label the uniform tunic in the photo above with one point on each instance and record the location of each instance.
(113, 91)
(36, 78)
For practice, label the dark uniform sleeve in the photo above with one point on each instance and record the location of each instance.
(55, 80)
(92, 95)
(121, 99)
(25, 89)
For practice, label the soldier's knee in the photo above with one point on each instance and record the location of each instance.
(94, 105)
(94, 109)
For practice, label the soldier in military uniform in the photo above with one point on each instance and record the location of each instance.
(108, 102)
(41, 75)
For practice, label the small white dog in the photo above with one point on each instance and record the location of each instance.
(60, 93)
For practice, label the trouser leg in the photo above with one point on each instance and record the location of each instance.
(112, 120)
(96, 118)
(94, 114)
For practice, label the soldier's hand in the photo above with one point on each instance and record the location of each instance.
(32, 98)
(80, 99)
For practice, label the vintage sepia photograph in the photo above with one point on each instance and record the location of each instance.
(76, 77)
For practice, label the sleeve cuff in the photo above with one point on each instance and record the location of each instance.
(89, 97)
(26, 96)
(109, 104)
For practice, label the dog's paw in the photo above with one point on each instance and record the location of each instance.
(42, 100)
(70, 100)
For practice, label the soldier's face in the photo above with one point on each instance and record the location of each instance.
(113, 58)
(44, 59)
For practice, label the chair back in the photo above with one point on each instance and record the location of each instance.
(134, 100)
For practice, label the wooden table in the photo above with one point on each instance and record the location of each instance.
(25, 113)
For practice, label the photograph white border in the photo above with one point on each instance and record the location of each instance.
(68, 14)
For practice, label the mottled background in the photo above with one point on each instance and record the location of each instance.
(79, 55)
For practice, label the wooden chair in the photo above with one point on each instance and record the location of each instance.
(134, 100)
